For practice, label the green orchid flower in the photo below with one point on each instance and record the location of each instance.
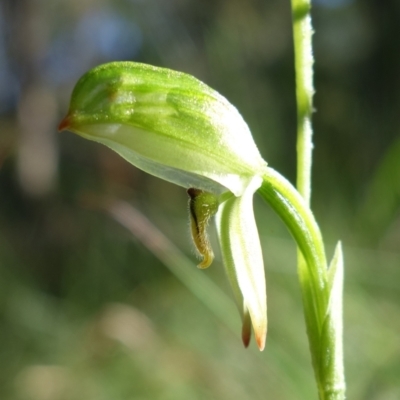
(175, 127)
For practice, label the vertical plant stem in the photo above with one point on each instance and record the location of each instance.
(325, 339)
(302, 36)
(302, 32)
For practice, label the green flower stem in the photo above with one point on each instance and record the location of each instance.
(321, 287)
(325, 342)
(302, 32)
(296, 215)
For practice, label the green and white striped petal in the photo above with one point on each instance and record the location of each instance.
(166, 123)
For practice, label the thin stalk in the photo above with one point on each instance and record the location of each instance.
(302, 35)
(302, 32)
(325, 343)
(298, 218)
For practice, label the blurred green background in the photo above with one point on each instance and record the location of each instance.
(87, 311)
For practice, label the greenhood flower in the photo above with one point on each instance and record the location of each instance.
(175, 127)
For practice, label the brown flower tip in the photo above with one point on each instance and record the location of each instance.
(260, 339)
(65, 123)
(246, 330)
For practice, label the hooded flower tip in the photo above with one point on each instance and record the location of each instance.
(65, 123)
(166, 123)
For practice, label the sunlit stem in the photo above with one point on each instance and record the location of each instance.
(302, 32)
(313, 275)
(302, 36)
(291, 207)
(316, 284)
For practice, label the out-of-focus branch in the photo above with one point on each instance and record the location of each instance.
(183, 268)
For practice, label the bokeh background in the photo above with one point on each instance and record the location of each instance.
(96, 301)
